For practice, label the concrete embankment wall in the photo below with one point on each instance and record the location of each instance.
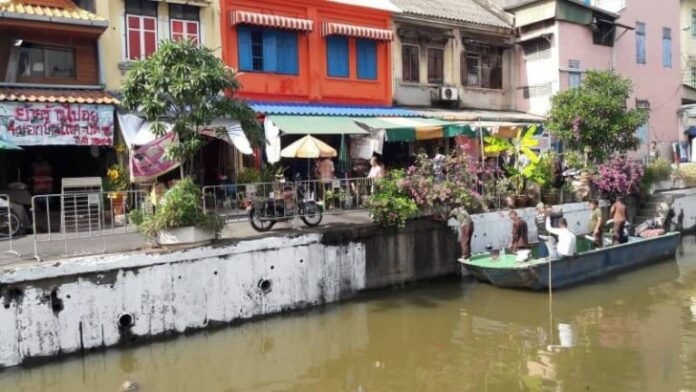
(77, 305)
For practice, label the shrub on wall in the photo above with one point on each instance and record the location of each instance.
(390, 204)
(619, 177)
(180, 207)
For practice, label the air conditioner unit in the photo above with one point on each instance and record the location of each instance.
(448, 94)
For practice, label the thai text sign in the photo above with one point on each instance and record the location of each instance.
(47, 124)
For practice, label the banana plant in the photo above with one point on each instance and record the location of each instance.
(520, 146)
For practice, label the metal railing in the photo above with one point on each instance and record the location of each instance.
(231, 201)
(81, 222)
(340, 195)
(9, 224)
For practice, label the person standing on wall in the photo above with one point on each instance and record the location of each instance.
(466, 230)
(520, 231)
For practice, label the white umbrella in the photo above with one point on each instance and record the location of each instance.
(308, 147)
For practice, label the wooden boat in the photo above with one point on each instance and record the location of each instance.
(505, 271)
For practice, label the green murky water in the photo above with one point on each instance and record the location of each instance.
(633, 332)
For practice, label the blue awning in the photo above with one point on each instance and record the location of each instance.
(293, 109)
(691, 131)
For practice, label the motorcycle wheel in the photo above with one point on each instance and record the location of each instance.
(258, 224)
(7, 221)
(311, 214)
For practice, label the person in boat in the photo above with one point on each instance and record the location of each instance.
(618, 214)
(666, 215)
(542, 234)
(595, 225)
(520, 238)
(466, 230)
(566, 238)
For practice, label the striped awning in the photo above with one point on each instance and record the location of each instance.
(280, 22)
(401, 129)
(356, 31)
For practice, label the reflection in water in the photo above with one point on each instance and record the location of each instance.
(636, 331)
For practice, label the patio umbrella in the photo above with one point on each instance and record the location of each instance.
(344, 162)
(5, 145)
(308, 147)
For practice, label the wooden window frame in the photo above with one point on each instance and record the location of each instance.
(196, 38)
(45, 78)
(142, 31)
(442, 68)
(403, 62)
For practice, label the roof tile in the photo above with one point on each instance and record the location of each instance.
(459, 10)
(11, 94)
(71, 11)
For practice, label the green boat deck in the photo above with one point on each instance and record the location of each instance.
(508, 261)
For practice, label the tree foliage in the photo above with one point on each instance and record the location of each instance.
(183, 84)
(594, 116)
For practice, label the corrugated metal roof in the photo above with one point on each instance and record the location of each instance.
(473, 115)
(10, 94)
(459, 10)
(331, 110)
(68, 11)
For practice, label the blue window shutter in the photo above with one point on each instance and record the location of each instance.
(667, 47)
(337, 56)
(287, 61)
(367, 59)
(244, 47)
(269, 50)
(640, 43)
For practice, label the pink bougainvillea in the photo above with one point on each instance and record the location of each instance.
(619, 177)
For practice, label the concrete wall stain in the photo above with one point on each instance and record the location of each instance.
(75, 307)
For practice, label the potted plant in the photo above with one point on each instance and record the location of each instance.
(544, 176)
(179, 219)
(520, 147)
(115, 184)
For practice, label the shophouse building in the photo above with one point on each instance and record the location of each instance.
(456, 61)
(138, 26)
(137, 29)
(688, 66)
(559, 40)
(52, 101)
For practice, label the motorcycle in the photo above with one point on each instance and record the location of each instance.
(13, 220)
(264, 214)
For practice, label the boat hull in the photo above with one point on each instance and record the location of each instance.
(580, 268)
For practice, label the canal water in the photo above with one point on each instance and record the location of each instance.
(633, 332)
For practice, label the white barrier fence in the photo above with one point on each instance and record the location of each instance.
(70, 224)
(82, 223)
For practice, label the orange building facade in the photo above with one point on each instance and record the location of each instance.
(308, 51)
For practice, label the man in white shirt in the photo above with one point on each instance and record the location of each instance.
(566, 239)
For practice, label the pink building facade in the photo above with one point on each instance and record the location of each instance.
(657, 82)
(560, 40)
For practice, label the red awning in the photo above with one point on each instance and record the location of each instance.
(357, 31)
(281, 22)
